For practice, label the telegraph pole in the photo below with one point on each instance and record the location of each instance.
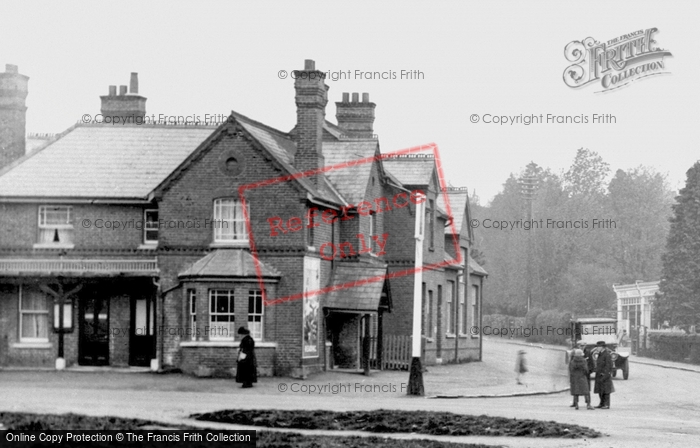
(528, 189)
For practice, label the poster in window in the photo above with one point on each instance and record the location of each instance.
(312, 282)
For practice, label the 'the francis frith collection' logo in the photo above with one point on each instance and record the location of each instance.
(615, 63)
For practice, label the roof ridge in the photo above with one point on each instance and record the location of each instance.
(39, 149)
(239, 115)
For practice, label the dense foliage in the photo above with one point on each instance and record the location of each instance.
(679, 302)
(590, 233)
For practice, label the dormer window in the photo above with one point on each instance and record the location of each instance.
(55, 226)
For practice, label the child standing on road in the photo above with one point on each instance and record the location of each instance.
(520, 366)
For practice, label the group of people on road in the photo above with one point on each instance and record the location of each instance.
(585, 362)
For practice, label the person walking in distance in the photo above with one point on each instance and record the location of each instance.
(603, 375)
(578, 378)
(246, 366)
(520, 366)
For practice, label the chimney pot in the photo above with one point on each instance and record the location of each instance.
(346, 97)
(365, 97)
(355, 97)
(134, 83)
(112, 90)
(11, 68)
(309, 64)
(122, 90)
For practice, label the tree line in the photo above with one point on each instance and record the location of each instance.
(589, 230)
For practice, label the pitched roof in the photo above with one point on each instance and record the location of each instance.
(103, 161)
(225, 263)
(282, 148)
(411, 170)
(476, 267)
(354, 291)
(351, 181)
(458, 203)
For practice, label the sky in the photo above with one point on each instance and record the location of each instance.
(501, 58)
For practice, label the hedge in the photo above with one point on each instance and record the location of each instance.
(675, 346)
(552, 327)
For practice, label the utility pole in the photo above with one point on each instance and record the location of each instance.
(528, 189)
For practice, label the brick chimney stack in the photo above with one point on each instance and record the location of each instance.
(13, 115)
(354, 117)
(311, 98)
(129, 107)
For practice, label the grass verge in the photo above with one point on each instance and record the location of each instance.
(16, 421)
(392, 421)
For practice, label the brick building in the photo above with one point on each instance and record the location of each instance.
(153, 243)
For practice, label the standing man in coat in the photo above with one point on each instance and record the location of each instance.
(247, 366)
(603, 375)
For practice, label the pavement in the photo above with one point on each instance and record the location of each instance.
(633, 358)
(171, 398)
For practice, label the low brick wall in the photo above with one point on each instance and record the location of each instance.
(207, 359)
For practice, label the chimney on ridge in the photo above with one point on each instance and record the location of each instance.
(355, 118)
(125, 107)
(311, 98)
(13, 114)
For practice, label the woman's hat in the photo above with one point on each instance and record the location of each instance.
(243, 330)
(578, 352)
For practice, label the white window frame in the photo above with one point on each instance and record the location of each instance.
(43, 225)
(214, 334)
(462, 313)
(449, 305)
(474, 299)
(149, 226)
(192, 312)
(220, 225)
(22, 312)
(256, 333)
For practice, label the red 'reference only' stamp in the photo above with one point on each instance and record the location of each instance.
(375, 244)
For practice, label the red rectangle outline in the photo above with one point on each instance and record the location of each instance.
(443, 188)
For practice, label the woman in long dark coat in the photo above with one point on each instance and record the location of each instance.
(578, 377)
(247, 366)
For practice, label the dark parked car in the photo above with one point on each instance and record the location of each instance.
(590, 330)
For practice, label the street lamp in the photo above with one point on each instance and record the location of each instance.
(62, 316)
(415, 378)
